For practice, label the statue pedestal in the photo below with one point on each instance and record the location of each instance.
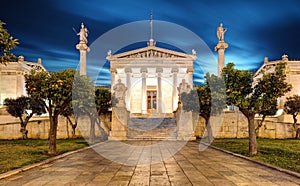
(119, 124)
(185, 126)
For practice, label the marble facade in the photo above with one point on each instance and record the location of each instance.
(292, 75)
(12, 80)
(146, 81)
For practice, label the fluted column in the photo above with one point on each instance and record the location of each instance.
(159, 89)
(128, 85)
(190, 71)
(83, 49)
(144, 101)
(174, 92)
(220, 48)
(113, 76)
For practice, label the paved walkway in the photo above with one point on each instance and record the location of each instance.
(188, 166)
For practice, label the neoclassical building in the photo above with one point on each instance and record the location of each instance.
(292, 72)
(12, 80)
(147, 83)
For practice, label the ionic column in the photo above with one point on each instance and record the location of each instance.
(174, 92)
(190, 71)
(83, 49)
(144, 96)
(128, 85)
(159, 90)
(220, 48)
(113, 72)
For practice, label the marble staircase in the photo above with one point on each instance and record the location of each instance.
(152, 129)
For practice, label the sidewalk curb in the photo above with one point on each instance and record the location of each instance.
(291, 173)
(49, 160)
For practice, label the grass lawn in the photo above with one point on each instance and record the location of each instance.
(283, 153)
(18, 153)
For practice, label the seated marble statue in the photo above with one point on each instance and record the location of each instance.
(119, 90)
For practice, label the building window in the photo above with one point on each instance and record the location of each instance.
(151, 100)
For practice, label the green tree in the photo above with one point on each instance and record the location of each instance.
(104, 101)
(211, 100)
(23, 108)
(292, 106)
(255, 98)
(91, 101)
(54, 91)
(68, 113)
(270, 109)
(83, 95)
(7, 43)
(103, 98)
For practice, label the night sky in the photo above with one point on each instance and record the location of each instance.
(255, 28)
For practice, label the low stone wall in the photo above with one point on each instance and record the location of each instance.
(228, 125)
(233, 124)
(276, 130)
(38, 127)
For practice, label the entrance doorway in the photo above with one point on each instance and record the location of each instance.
(151, 100)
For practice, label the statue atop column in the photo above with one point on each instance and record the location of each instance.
(83, 34)
(82, 47)
(220, 48)
(220, 32)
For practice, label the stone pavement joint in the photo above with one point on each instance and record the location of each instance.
(188, 166)
(258, 162)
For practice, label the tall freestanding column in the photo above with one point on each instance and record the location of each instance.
(83, 48)
(221, 47)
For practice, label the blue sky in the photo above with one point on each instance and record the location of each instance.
(255, 28)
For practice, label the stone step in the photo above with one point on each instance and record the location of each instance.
(150, 138)
(150, 123)
(151, 128)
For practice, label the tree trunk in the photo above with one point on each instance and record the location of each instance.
(92, 130)
(295, 121)
(67, 128)
(24, 132)
(297, 133)
(251, 130)
(260, 124)
(52, 134)
(252, 135)
(74, 131)
(208, 128)
(73, 125)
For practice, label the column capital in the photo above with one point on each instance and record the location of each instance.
(82, 46)
(159, 69)
(175, 70)
(143, 70)
(221, 45)
(113, 70)
(128, 70)
(190, 70)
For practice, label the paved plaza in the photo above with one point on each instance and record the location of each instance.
(150, 163)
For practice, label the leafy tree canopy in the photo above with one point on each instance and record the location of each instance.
(23, 108)
(54, 91)
(7, 43)
(254, 97)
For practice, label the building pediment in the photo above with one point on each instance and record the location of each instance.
(151, 52)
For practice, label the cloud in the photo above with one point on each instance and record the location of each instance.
(255, 28)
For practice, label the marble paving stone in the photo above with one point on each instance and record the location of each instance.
(186, 167)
